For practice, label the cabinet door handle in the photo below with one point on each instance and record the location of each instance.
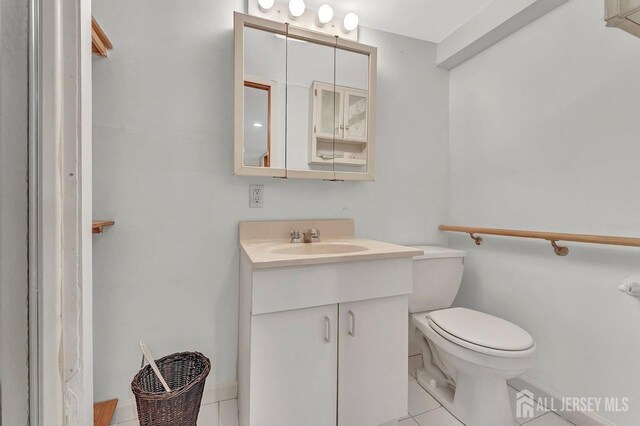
(347, 127)
(352, 324)
(342, 126)
(327, 329)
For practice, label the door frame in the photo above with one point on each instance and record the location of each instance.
(60, 179)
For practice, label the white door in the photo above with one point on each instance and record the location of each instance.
(372, 354)
(355, 115)
(294, 367)
(329, 120)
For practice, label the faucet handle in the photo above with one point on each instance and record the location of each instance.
(295, 236)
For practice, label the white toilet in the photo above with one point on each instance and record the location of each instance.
(468, 356)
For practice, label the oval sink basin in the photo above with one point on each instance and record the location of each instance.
(305, 249)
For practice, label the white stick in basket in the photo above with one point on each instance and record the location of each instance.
(154, 367)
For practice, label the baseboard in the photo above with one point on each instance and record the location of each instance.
(215, 392)
(579, 418)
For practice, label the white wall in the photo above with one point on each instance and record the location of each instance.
(14, 278)
(544, 136)
(167, 272)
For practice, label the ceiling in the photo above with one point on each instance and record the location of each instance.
(431, 20)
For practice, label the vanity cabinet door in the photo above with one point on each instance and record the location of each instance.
(373, 349)
(294, 367)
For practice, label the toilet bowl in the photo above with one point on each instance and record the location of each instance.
(467, 355)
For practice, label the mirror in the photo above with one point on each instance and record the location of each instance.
(257, 124)
(309, 64)
(352, 91)
(304, 103)
(263, 89)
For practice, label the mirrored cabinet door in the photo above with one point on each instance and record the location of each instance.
(352, 82)
(313, 109)
(264, 83)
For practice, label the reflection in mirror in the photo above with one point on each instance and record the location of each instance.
(310, 69)
(305, 103)
(352, 83)
(264, 88)
(327, 118)
(257, 124)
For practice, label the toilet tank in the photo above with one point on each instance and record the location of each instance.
(436, 278)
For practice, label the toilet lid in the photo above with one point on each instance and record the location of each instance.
(482, 329)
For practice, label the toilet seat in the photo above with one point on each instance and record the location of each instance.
(481, 329)
(478, 332)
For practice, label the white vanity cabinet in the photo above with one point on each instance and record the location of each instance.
(371, 354)
(294, 367)
(325, 344)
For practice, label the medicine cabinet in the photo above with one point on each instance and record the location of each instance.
(304, 103)
(624, 14)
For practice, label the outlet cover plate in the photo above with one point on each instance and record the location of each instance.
(256, 196)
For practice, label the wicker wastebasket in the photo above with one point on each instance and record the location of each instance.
(185, 374)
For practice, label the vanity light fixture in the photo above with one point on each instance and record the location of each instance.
(325, 15)
(296, 8)
(350, 22)
(257, 124)
(265, 5)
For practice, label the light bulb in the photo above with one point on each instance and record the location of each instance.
(325, 14)
(350, 22)
(265, 5)
(296, 7)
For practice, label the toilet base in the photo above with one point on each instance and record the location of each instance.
(482, 402)
(475, 402)
(442, 394)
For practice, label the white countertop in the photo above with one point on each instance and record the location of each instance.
(261, 255)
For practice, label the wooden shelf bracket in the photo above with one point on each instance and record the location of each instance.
(98, 226)
(100, 43)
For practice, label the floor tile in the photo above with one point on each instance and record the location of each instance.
(538, 410)
(419, 400)
(208, 415)
(404, 417)
(407, 422)
(437, 417)
(410, 378)
(228, 413)
(549, 419)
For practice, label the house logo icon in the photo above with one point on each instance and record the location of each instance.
(525, 405)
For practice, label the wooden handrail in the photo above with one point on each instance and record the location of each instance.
(553, 237)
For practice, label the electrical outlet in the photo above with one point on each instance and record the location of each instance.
(256, 196)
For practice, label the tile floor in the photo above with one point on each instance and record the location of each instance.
(223, 413)
(422, 410)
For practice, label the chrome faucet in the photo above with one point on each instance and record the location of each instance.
(312, 236)
(295, 236)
